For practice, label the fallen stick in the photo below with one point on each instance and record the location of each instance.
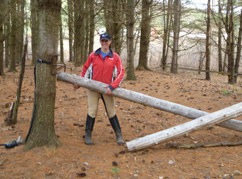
(13, 112)
(201, 122)
(1, 163)
(145, 100)
(194, 146)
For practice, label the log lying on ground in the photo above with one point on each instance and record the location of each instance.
(145, 100)
(201, 122)
(197, 145)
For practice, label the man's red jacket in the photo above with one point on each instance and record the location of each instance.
(109, 71)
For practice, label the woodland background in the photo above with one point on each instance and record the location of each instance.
(167, 34)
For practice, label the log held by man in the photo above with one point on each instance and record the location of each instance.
(145, 100)
(201, 122)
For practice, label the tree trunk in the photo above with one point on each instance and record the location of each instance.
(78, 23)
(20, 30)
(176, 29)
(117, 25)
(173, 132)
(220, 61)
(145, 100)
(82, 31)
(12, 67)
(61, 42)
(34, 29)
(87, 30)
(145, 35)
(1, 36)
(239, 46)
(225, 63)
(113, 14)
(108, 16)
(42, 131)
(6, 33)
(70, 28)
(166, 36)
(92, 26)
(208, 43)
(230, 40)
(130, 40)
(201, 59)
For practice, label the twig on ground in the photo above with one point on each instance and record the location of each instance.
(1, 163)
(194, 146)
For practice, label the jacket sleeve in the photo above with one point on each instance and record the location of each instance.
(119, 76)
(87, 68)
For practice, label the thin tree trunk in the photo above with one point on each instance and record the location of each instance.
(82, 31)
(130, 40)
(61, 42)
(92, 26)
(70, 28)
(220, 61)
(78, 21)
(230, 40)
(12, 67)
(208, 42)
(6, 33)
(87, 30)
(201, 59)
(167, 25)
(6, 40)
(176, 29)
(20, 30)
(1, 36)
(145, 35)
(117, 25)
(34, 29)
(225, 63)
(42, 131)
(239, 46)
(108, 14)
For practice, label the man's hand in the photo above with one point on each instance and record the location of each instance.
(109, 91)
(76, 86)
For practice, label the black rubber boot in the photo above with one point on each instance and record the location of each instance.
(116, 127)
(89, 127)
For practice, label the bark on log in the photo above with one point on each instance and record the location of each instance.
(145, 100)
(171, 133)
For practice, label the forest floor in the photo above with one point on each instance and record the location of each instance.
(106, 159)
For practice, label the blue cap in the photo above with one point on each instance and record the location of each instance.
(105, 36)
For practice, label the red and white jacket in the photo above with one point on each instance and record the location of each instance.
(109, 71)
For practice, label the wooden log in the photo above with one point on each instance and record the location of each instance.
(145, 99)
(201, 122)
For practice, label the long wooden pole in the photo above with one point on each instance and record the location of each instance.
(145, 100)
(201, 122)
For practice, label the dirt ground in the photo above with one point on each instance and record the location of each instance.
(106, 159)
